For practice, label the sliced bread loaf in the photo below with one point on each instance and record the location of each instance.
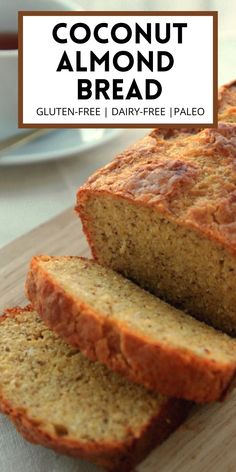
(163, 213)
(58, 398)
(131, 331)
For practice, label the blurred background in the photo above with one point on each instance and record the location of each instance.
(35, 192)
(227, 22)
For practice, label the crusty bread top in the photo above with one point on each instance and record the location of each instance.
(55, 387)
(227, 103)
(189, 176)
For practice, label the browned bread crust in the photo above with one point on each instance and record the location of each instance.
(188, 179)
(114, 456)
(182, 183)
(227, 102)
(159, 367)
(186, 175)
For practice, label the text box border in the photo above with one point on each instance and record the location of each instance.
(21, 15)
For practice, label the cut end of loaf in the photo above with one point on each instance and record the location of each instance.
(177, 264)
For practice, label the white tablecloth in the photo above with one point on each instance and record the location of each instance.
(17, 455)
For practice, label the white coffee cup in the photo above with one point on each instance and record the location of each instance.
(9, 58)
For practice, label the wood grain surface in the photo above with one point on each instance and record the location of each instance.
(207, 440)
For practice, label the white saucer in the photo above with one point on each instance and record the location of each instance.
(58, 144)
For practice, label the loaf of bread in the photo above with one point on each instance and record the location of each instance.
(58, 398)
(112, 320)
(163, 213)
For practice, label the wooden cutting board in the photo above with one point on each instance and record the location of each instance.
(207, 440)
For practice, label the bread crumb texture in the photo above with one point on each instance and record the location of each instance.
(71, 395)
(116, 298)
(59, 399)
(131, 331)
(186, 269)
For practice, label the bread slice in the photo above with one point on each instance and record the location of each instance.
(163, 213)
(58, 398)
(114, 321)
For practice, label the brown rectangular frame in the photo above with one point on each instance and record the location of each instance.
(21, 14)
